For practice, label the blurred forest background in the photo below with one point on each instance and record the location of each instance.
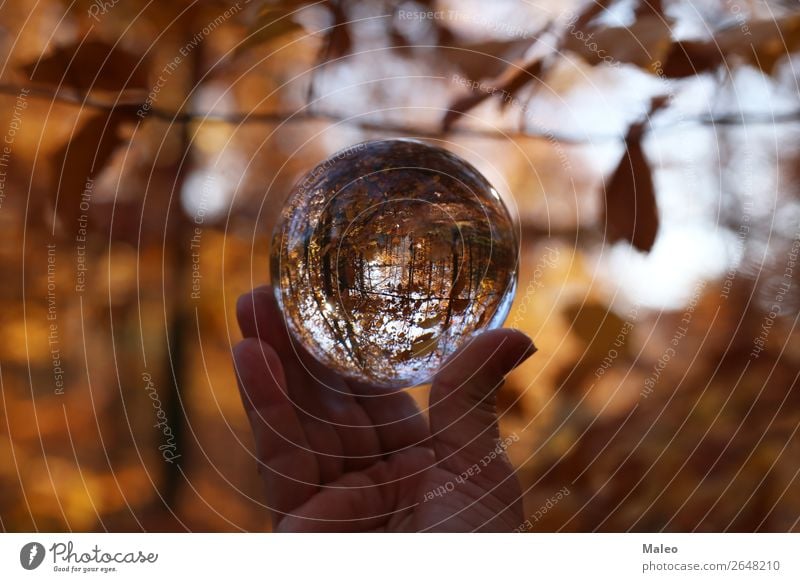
(648, 148)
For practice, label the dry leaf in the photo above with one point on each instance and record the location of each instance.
(690, 58)
(424, 344)
(83, 157)
(592, 10)
(767, 43)
(597, 326)
(649, 7)
(93, 65)
(761, 44)
(642, 43)
(486, 59)
(338, 41)
(430, 322)
(506, 88)
(274, 20)
(631, 211)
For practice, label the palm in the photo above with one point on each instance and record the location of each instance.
(337, 456)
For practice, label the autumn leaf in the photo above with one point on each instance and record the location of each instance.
(443, 36)
(274, 20)
(648, 7)
(602, 331)
(82, 158)
(592, 10)
(630, 212)
(596, 326)
(92, 65)
(430, 321)
(338, 41)
(763, 43)
(689, 58)
(642, 43)
(424, 344)
(485, 59)
(505, 88)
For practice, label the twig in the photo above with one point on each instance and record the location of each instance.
(304, 116)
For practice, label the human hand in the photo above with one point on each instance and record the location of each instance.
(338, 456)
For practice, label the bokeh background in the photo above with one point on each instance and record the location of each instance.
(649, 150)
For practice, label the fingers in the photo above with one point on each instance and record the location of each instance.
(337, 428)
(396, 418)
(289, 470)
(380, 498)
(259, 316)
(333, 416)
(462, 403)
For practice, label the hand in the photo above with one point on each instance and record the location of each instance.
(338, 456)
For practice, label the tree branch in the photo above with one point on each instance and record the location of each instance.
(305, 116)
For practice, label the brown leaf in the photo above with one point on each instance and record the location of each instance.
(505, 88)
(767, 42)
(83, 158)
(592, 10)
(486, 59)
(338, 41)
(442, 36)
(597, 326)
(631, 211)
(274, 20)
(761, 44)
(399, 40)
(689, 58)
(424, 344)
(93, 65)
(648, 7)
(430, 322)
(645, 41)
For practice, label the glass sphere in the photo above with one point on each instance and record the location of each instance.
(388, 256)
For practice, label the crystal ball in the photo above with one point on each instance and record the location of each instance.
(388, 256)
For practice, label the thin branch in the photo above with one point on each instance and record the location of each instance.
(304, 116)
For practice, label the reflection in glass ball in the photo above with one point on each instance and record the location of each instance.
(386, 258)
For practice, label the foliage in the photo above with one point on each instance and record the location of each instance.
(154, 146)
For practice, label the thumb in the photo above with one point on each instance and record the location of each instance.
(462, 403)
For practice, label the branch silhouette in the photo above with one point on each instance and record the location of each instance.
(306, 116)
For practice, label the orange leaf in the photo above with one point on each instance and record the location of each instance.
(83, 157)
(689, 58)
(645, 41)
(513, 80)
(93, 65)
(764, 42)
(631, 211)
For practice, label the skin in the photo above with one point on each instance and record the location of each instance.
(335, 455)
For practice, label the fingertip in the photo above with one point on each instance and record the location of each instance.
(523, 343)
(256, 311)
(259, 372)
(245, 314)
(493, 353)
(264, 291)
(512, 335)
